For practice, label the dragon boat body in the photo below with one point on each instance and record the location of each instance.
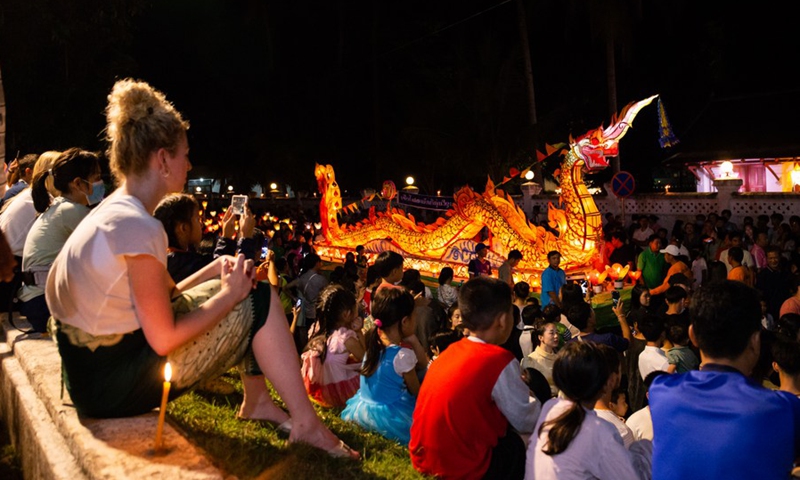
(449, 241)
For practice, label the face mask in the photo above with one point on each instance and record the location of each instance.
(98, 192)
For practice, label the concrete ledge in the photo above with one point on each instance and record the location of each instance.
(55, 443)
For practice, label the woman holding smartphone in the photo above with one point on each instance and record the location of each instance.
(119, 317)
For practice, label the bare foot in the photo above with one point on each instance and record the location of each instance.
(317, 435)
(262, 410)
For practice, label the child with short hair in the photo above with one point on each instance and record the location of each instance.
(603, 404)
(680, 355)
(332, 359)
(652, 357)
(389, 381)
(619, 402)
(390, 268)
(473, 400)
(786, 362)
(675, 298)
(439, 342)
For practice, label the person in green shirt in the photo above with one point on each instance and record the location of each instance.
(651, 263)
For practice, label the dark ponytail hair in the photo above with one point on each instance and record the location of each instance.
(173, 210)
(389, 306)
(71, 164)
(333, 302)
(580, 372)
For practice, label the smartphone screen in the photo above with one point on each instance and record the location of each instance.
(615, 297)
(237, 204)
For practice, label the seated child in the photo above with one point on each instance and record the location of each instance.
(389, 382)
(675, 298)
(619, 402)
(389, 266)
(180, 214)
(543, 357)
(332, 359)
(680, 355)
(439, 342)
(603, 405)
(572, 441)
(652, 357)
(473, 397)
(581, 316)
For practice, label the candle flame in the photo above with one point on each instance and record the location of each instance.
(167, 372)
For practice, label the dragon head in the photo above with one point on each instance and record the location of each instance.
(596, 145)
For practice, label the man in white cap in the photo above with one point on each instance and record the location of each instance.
(675, 266)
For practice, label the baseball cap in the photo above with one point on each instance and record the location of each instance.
(479, 247)
(672, 250)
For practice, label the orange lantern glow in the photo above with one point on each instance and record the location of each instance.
(634, 276)
(450, 239)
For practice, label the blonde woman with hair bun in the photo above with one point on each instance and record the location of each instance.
(118, 317)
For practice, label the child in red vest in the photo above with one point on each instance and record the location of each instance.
(473, 401)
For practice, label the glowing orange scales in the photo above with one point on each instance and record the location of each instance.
(449, 240)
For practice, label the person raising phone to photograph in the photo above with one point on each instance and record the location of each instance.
(180, 214)
(117, 315)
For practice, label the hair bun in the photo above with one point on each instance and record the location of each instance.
(132, 100)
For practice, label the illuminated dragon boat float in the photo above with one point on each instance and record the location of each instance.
(449, 241)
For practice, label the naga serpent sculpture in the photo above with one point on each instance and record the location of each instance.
(449, 241)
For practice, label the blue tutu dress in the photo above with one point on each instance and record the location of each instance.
(383, 403)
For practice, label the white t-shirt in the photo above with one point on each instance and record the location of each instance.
(17, 219)
(47, 237)
(96, 296)
(641, 424)
(642, 235)
(698, 265)
(624, 431)
(652, 359)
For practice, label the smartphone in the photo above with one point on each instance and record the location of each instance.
(615, 297)
(264, 251)
(297, 304)
(237, 204)
(584, 286)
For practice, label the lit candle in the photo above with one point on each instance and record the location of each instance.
(163, 410)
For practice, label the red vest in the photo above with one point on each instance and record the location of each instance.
(456, 422)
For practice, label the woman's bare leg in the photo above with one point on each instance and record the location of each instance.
(276, 355)
(257, 403)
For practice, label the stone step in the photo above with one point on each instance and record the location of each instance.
(54, 442)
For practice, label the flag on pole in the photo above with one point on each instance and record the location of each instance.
(666, 137)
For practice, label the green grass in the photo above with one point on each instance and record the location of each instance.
(9, 461)
(254, 450)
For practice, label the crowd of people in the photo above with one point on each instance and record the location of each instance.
(479, 378)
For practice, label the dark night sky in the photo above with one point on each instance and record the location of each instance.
(381, 89)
